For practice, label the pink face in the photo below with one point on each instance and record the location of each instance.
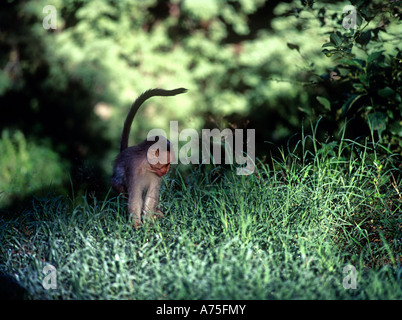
(161, 168)
(161, 171)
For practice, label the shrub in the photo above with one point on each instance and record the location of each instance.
(26, 167)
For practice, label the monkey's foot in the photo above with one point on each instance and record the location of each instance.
(136, 222)
(158, 214)
(155, 214)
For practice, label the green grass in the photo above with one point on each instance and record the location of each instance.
(26, 166)
(285, 232)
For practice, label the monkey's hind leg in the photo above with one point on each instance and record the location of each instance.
(134, 217)
(135, 207)
(119, 188)
(150, 203)
(118, 184)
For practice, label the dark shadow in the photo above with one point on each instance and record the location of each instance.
(10, 289)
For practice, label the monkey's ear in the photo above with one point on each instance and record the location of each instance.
(153, 155)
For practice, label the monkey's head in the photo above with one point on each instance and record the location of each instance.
(159, 155)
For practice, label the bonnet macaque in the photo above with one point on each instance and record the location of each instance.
(140, 168)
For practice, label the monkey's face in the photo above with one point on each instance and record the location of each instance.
(160, 169)
(159, 161)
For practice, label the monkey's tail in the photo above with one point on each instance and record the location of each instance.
(137, 104)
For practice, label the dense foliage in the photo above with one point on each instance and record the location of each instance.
(371, 81)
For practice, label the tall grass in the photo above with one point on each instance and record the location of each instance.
(284, 232)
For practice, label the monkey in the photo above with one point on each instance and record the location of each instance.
(139, 169)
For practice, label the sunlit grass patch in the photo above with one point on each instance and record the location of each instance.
(285, 232)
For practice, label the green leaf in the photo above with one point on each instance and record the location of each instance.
(352, 62)
(327, 52)
(363, 79)
(396, 128)
(335, 39)
(343, 71)
(359, 87)
(386, 92)
(373, 56)
(364, 38)
(292, 46)
(377, 121)
(348, 104)
(325, 102)
(327, 44)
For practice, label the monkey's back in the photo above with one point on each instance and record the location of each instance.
(124, 165)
